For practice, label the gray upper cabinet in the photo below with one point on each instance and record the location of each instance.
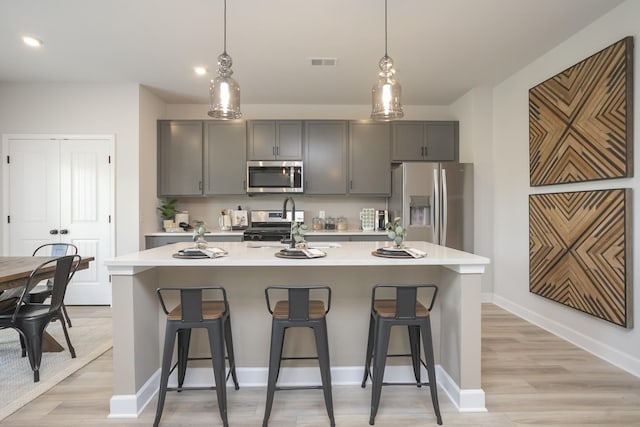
(325, 164)
(225, 158)
(431, 141)
(180, 161)
(369, 158)
(274, 140)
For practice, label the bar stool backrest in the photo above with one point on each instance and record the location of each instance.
(191, 301)
(298, 300)
(406, 299)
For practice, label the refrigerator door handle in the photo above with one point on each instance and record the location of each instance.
(443, 220)
(435, 208)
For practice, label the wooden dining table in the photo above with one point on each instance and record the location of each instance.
(14, 273)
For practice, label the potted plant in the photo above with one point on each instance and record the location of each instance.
(199, 230)
(168, 212)
(297, 232)
(396, 231)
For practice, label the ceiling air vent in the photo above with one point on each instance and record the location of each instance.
(324, 62)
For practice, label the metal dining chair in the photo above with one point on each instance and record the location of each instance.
(30, 320)
(41, 293)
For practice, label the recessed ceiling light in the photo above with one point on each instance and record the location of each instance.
(32, 41)
(201, 71)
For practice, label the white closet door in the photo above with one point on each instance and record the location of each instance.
(61, 190)
(34, 194)
(84, 215)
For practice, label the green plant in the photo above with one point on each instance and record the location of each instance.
(298, 231)
(396, 231)
(168, 209)
(199, 229)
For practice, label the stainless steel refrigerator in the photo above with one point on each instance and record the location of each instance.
(435, 201)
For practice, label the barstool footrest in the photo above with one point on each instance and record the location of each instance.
(190, 388)
(300, 358)
(301, 387)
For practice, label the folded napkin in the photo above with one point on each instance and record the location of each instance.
(209, 252)
(416, 253)
(313, 253)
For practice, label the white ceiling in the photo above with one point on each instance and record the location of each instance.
(441, 48)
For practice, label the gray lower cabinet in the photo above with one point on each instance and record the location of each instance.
(156, 241)
(274, 140)
(180, 162)
(431, 141)
(369, 158)
(325, 164)
(225, 158)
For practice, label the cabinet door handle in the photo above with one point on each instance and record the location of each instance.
(64, 231)
(277, 151)
(200, 185)
(351, 184)
(426, 152)
(273, 150)
(54, 231)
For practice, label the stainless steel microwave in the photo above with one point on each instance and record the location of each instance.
(273, 176)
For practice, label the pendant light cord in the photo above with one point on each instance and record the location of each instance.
(225, 27)
(385, 27)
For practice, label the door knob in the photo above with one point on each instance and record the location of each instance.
(64, 231)
(54, 231)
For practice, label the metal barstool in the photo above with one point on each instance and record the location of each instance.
(194, 312)
(404, 310)
(299, 311)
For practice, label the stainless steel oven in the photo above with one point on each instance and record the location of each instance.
(274, 176)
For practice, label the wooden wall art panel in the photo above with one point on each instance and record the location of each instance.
(580, 251)
(580, 121)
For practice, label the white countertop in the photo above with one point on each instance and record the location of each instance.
(241, 254)
(310, 233)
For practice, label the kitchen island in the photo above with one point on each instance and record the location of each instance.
(349, 268)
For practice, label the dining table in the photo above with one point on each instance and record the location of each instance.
(14, 273)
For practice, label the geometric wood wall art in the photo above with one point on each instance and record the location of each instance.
(580, 121)
(580, 251)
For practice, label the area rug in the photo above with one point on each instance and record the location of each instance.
(90, 337)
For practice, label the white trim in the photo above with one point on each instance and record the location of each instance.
(130, 406)
(607, 353)
(469, 400)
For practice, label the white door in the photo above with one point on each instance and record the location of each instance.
(71, 181)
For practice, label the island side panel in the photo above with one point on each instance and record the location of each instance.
(460, 343)
(136, 344)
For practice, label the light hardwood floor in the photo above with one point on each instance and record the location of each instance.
(530, 378)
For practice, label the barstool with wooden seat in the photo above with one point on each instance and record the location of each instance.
(403, 310)
(299, 311)
(194, 312)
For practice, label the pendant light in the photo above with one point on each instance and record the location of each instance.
(386, 92)
(224, 92)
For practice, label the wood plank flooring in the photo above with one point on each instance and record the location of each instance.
(531, 378)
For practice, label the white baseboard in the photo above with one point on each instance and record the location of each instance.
(603, 351)
(130, 406)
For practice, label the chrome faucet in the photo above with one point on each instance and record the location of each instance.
(293, 217)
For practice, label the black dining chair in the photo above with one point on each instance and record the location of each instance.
(41, 292)
(30, 319)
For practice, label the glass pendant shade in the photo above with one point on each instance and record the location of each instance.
(385, 95)
(224, 92)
